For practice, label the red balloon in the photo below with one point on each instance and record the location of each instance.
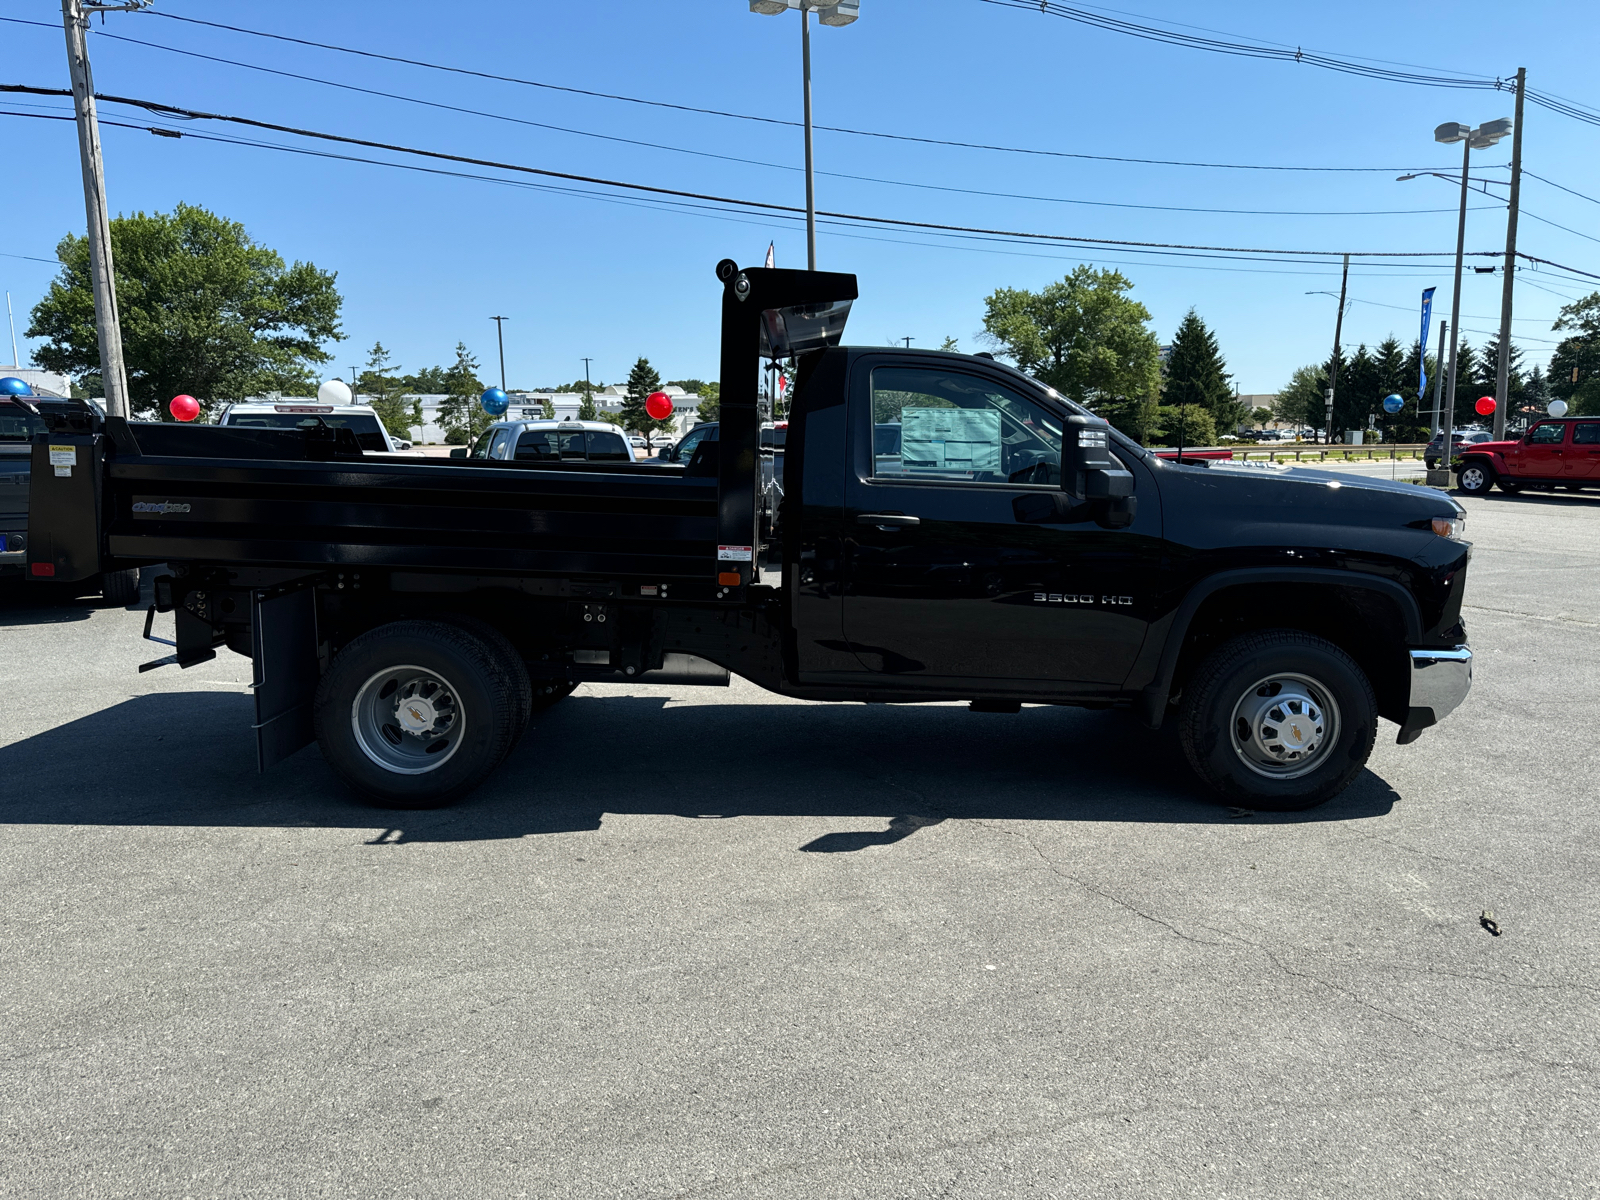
(658, 405)
(1485, 405)
(184, 408)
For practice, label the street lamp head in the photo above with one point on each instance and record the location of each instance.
(1450, 131)
(1403, 178)
(829, 12)
(1494, 130)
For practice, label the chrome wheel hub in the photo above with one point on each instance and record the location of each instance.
(408, 720)
(1285, 725)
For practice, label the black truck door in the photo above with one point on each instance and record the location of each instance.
(944, 583)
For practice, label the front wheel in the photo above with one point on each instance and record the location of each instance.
(1278, 721)
(1475, 479)
(415, 714)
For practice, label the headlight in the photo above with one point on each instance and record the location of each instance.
(1454, 528)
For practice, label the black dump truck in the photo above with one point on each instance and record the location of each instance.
(950, 530)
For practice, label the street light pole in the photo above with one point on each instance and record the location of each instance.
(1447, 417)
(811, 191)
(1502, 377)
(500, 333)
(102, 274)
(829, 12)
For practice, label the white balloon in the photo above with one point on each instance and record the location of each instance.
(334, 391)
(1558, 408)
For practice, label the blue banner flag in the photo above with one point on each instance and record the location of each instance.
(1422, 356)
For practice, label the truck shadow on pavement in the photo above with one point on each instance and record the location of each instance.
(188, 759)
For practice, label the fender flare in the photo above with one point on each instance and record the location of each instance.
(1495, 464)
(1153, 697)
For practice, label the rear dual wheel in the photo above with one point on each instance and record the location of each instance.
(1278, 721)
(416, 714)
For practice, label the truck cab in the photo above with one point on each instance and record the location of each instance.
(367, 426)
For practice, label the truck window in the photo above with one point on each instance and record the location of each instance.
(501, 446)
(1586, 433)
(574, 445)
(480, 448)
(1547, 435)
(17, 424)
(954, 427)
(369, 434)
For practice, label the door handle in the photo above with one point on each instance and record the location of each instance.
(887, 520)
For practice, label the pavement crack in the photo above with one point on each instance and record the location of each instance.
(1098, 891)
(1527, 616)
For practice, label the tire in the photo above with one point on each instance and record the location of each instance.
(1508, 486)
(1475, 478)
(446, 744)
(120, 588)
(512, 668)
(1237, 723)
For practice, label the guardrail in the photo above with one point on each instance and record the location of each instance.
(1306, 453)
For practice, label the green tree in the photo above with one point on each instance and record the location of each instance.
(1087, 339)
(204, 309)
(459, 412)
(710, 406)
(1196, 377)
(430, 381)
(642, 380)
(1192, 424)
(949, 344)
(692, 386)
(588, 410)
(1301, 400)
(1575, 365)
(399, 412)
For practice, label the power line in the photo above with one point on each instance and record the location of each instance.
(1559, 187)
(168, 109)
(1300, 56)
(499, 116)
(866, 133)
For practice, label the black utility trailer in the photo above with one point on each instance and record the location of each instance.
(949, 530)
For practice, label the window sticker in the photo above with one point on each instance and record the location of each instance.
(949, 441)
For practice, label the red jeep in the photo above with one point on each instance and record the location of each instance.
(1557, 452)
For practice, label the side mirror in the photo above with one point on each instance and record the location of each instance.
(1089, 473)
(460, 451)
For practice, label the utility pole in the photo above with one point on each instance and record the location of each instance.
(500, 332)
(102, 274)
(1502, 377)
(907, 341)
(1338, 332)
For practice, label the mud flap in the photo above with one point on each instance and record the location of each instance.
(283, 637)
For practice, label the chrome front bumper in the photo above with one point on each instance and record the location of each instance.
(1440, 681)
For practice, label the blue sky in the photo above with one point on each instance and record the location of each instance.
(424, 260)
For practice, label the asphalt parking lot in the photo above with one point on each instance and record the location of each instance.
(713, 943)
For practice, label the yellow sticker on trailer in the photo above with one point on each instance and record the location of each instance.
(63, 456)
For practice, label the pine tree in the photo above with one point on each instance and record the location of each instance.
(459, 412)
(1196, 375)
(399, 413)
(642, 380)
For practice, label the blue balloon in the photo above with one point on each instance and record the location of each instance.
(494, 402)
(1393, 404)
(12, 386)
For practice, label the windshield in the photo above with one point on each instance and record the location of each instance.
(17, 424)
(369, 434)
